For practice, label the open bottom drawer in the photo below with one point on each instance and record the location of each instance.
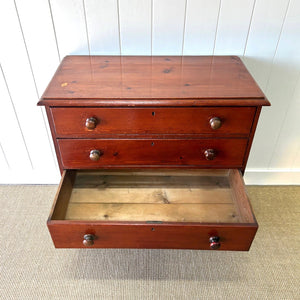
(194, 209)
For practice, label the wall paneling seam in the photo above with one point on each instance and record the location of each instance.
(249, 28)
(217, 25)
(119, 26)
(184, 25)
(18, 122)
(276, 47)
(152, 26)
(269, 76)
(5, 158)
(35, 85)
(54, 30)
(86, 27)
(283, 121)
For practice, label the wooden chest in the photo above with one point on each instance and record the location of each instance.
(152, 152)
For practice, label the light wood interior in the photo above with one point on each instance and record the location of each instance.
(208, 196)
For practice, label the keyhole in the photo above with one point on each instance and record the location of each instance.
(153, 113)
(152, 144)
(152, 229)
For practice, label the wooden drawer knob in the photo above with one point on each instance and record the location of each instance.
(95, 155)
(91, 123)
(210, 154)
(88, 240)
(214, 242)
(215, 123)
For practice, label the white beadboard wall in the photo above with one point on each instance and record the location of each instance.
(36, 34)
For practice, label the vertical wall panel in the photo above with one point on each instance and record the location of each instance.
(36, 34)
(40, 40)
(284, 89)
(200, 28)
(233, 26)
(3, 162)
(135, 27)
(11, 138)
(280, 88)
(4, 167)
(42, 48)
(286, 149)
(20, 83)
(103, 26)
(70, 27)
(265, 31)
(168, 27)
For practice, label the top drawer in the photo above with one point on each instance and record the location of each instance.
(95, 121)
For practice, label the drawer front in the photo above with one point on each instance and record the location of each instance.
(180, 209)
(89, 153)
(153, 236)
(93, 121)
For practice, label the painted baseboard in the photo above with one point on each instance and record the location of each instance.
(30, 177)
(252, 177)
(272, 177)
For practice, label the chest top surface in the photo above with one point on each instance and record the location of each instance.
(156, 80)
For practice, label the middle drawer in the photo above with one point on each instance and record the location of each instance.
(90, 122)
(96, 153)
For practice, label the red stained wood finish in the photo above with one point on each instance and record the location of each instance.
(70, 122)
(153, 112)
(148, 81)
(69, 234)
(112, 234)
(169, 152)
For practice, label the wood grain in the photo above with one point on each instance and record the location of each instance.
(188, 206)
(129, 152)
(179, 78)
(240, 197)
(198, 186)
(61, 200)
(70, 121)
(251, 137)
(69, 234)
(124, 224)
(179, 212)
(149, 195)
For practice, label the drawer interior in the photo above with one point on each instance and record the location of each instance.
(158, 196)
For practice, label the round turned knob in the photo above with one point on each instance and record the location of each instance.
(210, 154)
(215, 123)
(88, 240)
(91, 123)
(95, 155)
(214, 242)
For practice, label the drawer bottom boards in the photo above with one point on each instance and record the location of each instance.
(194, 209)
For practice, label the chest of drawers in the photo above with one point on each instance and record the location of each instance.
(152, 152)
